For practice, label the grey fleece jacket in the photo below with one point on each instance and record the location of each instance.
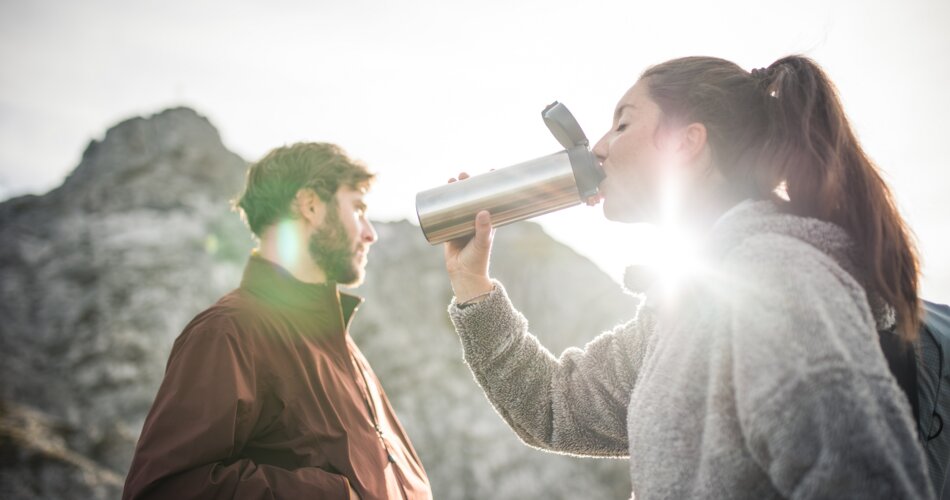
(762, 378)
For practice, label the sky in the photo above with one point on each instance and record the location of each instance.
(424, 89)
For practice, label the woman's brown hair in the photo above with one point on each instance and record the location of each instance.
(785, 124)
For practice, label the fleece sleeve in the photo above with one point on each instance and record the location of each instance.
(205, 412)
(576, 403)
(819, 410)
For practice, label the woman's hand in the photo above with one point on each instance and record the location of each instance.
(466, 259)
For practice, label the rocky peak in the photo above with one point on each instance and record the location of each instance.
(171, 159)
(99, 276)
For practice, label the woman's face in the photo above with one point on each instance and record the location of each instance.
(642, 160)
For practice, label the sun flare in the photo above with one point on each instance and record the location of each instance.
(675, 258)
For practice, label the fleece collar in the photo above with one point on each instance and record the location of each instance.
(755, 217)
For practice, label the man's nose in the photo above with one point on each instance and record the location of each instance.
(369, 233)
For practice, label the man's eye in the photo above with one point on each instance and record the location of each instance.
(621, 127)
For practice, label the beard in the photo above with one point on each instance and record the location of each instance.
(330, 249)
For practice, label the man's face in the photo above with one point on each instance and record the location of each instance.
(340, 245)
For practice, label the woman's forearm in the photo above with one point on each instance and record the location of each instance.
(557, 404)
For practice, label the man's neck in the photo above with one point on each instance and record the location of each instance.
(285, 244)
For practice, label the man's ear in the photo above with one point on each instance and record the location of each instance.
(310, 207)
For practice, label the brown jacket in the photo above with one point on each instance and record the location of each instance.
(266, 396)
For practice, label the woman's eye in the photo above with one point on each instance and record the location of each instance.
(621, 127)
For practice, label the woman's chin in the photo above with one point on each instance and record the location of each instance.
(620, 213)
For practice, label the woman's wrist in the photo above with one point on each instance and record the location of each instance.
(472, 290)
(474, 300)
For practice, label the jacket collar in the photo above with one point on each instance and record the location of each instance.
(276, 286)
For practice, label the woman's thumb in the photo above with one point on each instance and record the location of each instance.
(483, 232)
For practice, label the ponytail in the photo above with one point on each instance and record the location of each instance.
(828, 176)
(785, 123)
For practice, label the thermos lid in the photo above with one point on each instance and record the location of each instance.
(587, 171)
(563, 126)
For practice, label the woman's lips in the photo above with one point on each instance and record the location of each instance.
(595, 199)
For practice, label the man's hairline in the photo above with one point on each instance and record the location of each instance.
(362, 188)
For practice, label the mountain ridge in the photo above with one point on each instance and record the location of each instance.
(99, 275)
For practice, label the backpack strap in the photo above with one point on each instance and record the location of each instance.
(902, 361)
(934, 367)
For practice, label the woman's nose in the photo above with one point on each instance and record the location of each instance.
(600, 149)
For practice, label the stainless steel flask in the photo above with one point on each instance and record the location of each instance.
(517, 192)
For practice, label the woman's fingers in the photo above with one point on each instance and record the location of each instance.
(466, 258)
(462, 176)
(483, 231)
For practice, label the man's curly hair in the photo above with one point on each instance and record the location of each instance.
(273, 182)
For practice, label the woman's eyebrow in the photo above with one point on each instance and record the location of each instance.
(621, 108)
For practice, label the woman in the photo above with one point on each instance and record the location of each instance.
(762, 377)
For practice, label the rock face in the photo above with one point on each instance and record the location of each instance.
(99, 276)
(35, 463)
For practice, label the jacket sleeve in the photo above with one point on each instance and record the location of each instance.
(204, 414)
(817, 406)
(573, 404)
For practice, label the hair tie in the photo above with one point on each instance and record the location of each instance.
(760, 73)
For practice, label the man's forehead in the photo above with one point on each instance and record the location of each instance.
(357, 191)
(356, 195)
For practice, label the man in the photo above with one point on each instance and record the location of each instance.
(265, 393)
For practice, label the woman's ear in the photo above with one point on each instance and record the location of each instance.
(309, 207)
(693, 141)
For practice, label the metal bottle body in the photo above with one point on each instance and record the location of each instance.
(510, 194)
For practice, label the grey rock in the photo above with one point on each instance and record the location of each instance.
(99, 276)
(36, 463)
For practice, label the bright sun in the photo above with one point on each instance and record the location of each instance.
(669, 253)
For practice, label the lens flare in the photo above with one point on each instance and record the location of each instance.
(288, 244)
(676, 254)
(676, 258)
